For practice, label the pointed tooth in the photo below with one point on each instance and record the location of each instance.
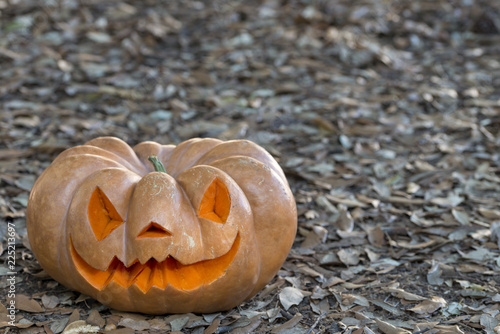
(142, 279)
(133, 272)
(156, 275)
(111, 271)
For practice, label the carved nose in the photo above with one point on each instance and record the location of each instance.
(154, 230)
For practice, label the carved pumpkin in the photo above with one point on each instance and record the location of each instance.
(204, 235)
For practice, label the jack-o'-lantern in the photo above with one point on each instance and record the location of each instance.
(198, 227)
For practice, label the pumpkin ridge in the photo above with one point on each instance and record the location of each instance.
(147, 148)
(90, 150)
(121, 149)
(240, 148)
(274, 225)
(186, 154)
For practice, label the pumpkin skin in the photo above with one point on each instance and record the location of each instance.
(203, 237)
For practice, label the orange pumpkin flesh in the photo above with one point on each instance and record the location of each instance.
(216, 203)
(102, 215)
(153, 230)
(203, 236)
(154, 273)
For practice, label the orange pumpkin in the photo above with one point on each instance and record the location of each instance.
(204, 235)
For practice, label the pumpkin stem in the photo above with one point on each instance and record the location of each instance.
(157, 164)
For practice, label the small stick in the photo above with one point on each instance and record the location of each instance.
(315, 323)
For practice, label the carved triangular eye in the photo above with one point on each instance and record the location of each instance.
(154, 230)
(102, 214)
(216, 202)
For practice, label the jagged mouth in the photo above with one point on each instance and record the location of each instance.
(155, 273)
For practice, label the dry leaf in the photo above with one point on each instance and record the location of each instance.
(443, 329)
(95, 318)
(254, 323)
(387, 328)
(429, 306)
(27, 304)
(349, 256)
(408, 245)
(461, 216)
(311, 214)
(50, 301)
(495, 232)
(434, 274)
(389, 308)
(400, 293)
(178, 323)
(80, 327)
(489, 213)
(74, 316)
(138, 325)
(213, 327)
(315, 237)
(489, 323)
(345, 222)
(376, 236)
(292, 323)
(290, 296)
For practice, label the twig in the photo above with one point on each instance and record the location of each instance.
(315, 323)
(286, 314)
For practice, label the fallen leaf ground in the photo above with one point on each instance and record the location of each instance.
(385, 116)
